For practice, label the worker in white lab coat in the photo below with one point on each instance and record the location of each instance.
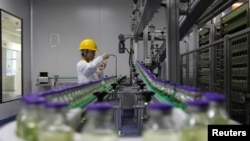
(90, 68)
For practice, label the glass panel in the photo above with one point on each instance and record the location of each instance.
(11, 41)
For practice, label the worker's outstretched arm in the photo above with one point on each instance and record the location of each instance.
(92, 66)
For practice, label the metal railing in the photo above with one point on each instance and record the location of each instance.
(222, 66)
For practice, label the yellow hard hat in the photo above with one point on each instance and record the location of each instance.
(88, 44)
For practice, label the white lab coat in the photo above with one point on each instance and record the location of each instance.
(86, 71)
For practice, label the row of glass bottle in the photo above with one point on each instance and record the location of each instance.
(33, 125)
(50, 108)
(200, 113)
(78, 95)
(181, 93)
(209, 110)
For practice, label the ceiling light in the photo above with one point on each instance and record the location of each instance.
(236, 5)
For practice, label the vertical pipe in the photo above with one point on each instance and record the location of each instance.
(186, 41)
(136, 51)
(195, 55)
(227, 79)
(131, 60)
(145, 43)
(211, 59)
(31, 47)
(172, 41)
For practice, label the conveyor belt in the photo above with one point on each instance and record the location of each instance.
(160, 96)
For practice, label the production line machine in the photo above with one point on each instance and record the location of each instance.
(127, 113)
(130, 102)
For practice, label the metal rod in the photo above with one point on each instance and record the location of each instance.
(203, 47)
(218, 41)
(217, 9)
(115, 63)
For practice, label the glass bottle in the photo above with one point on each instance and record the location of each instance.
(54, 127)
(29, 124)
(160, 126)
(217, 113)
(171, 89)
(22, 115)
(195, 126)
(194, 93)
(180, 95)
(103, 85)
(99, 126)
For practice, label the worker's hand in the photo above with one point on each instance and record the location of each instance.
(102, 66)
(105, 56)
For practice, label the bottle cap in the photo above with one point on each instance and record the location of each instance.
(59, 90)
(99, 106)
(197, 103)
(57, 104)
(214, 97)
(33, 99)
(42, 93)
(160, 106)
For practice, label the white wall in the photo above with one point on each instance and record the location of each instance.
(20, 8)
(75, 20)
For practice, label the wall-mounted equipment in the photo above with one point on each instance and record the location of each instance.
(43, 78)
(121, 47)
